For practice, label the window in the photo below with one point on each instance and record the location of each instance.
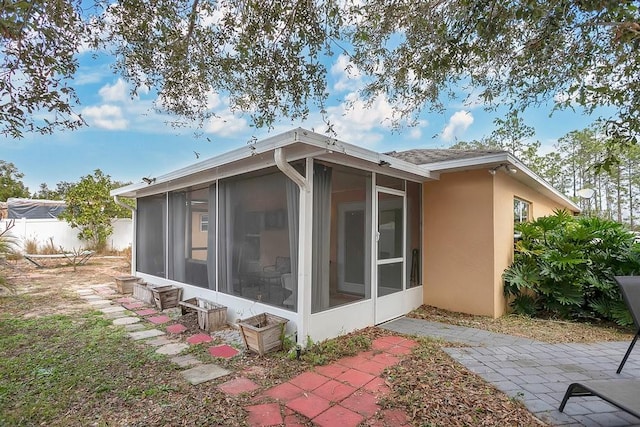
(191, 248)
(521, 210)
(151, 234)
(258, 238)
(341, 270)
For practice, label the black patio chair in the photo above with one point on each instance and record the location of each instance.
(624, 394)
(630, 288)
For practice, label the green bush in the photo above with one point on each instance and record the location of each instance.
(564, 266)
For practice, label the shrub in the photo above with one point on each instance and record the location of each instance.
(564, 266)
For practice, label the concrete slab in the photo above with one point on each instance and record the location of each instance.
(186, 360)
(204, 373)
(126, 320)
(159, 341)
(172, 349)
(100, 302)
(112, 309)
(149, 333)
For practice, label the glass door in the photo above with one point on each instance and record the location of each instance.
(390, 254)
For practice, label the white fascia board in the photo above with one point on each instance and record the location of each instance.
(470, 162)
(277, 141)
(540, 181)
(493, 159)
(241, 153)
(332, 144)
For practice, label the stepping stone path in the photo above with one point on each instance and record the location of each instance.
(344, 393)
(197, 372)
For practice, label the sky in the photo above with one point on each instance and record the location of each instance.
(128, 140)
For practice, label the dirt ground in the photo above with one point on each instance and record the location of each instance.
(428, 384)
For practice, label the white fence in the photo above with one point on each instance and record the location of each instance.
(45, 231)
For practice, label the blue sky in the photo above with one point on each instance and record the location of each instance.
(128, 140)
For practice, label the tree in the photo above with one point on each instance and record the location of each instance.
(270, 57)
(58, 194)
(11, 184)
(91, 209)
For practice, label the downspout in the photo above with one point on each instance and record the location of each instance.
(304, 185)
(119, 202)
(289, 170)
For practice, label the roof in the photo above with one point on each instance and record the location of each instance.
(417, 164)
(426, 156)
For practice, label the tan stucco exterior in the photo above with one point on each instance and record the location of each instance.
(468, 238)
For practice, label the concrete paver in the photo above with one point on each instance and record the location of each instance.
(149, 333)
(126, 320)
(203, 373)
(535, 372)
(172, 349)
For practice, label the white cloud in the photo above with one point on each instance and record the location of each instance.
(362, 123)
(105, 117)
(117, 92)
(458, 124)
(348, 77)
(226, 124)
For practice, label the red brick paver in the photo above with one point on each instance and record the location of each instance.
(132, 305)
(309, 380)
(309, 405)
(264, 415)
(159, 320)
(344, 393)
(146, 312)
(199, 338)
(224, 351)
(238, 386)
(334, 391)
(338, 416)
(176, 329)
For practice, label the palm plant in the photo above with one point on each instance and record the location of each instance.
(564, 266)
(7, 246)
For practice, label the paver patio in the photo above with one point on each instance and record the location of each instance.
(535, 372)
(344, 393)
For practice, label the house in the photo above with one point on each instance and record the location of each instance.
(335, 237)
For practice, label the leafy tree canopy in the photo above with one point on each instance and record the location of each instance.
(11, 184)
(270, 57)
(91, 208)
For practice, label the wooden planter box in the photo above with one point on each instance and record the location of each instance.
(124, 284)
(211, 316)
(142, 292)
(263, 333)
(166, 296)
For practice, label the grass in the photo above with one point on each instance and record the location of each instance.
(54, 363)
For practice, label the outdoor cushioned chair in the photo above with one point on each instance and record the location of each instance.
(630, 288)
(624, 394)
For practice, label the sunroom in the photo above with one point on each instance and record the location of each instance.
(321, 232)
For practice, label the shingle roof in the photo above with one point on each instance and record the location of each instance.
(426, 156)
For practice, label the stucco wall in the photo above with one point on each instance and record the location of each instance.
(468, 238)
(458, 242)
(505, 189)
